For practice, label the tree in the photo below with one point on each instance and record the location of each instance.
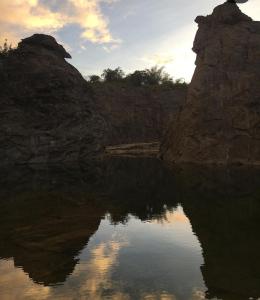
(180, 82)
(5, 49)
(94, 78)
(138, 78)
(157, 76)
(113, 75)
(154, 75)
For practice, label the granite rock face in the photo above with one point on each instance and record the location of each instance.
(137, 114)
(220, 121)
(46, 113)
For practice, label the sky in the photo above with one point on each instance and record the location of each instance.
(100, 34)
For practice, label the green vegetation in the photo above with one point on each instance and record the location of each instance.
(155, 76)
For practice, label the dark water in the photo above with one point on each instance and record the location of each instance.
(129, 229)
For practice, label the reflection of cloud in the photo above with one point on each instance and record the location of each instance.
(22, 17)
(177, 217)
(103, 259)
(15, 284)
(173, 218)
(92, 278)
(159, 296)
(198, 294)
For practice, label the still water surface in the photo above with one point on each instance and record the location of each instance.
(129, 229)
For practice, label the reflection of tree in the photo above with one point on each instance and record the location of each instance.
(138, 186)
(48, 215)
(224, 208)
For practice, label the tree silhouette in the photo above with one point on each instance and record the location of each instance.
(5, 49)
(113, 75)
(94, 78)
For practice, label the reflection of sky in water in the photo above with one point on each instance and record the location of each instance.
(159, 259)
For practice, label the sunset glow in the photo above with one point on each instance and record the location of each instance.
(111, 33)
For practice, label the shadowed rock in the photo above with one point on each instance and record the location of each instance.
(223, 208)
(220, 121)
(38, 43)
(137, 114)
(46, 112)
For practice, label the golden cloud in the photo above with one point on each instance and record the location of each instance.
(23, 17)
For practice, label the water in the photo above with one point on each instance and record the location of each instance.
(129, 228)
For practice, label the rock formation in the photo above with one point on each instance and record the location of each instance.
(223, 207)
(46, 113)
(137, 114)
(220, 120)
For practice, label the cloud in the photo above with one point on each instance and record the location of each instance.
(159, 59)
(94, 24)
(112, 47)
(23, 17)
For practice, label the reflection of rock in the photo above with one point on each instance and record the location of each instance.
(47, 215)
(220, 122)
(44, 231)
(223, 207)
(140, 186)
(46, 113)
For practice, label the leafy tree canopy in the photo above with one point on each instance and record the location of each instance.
(113, 75)
(155, 76)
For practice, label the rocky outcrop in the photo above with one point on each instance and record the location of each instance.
(137, 114)
(46, 113)
(220, 121)
(223, 207)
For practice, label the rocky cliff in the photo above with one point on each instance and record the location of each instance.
(46, 113)
(220, 121)
(223, 207)
(137, 114)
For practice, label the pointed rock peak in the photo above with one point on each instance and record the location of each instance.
(228, 13)
(43, 41)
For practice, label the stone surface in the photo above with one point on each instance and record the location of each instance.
(46, 113)
(220, 121)
(137, 114)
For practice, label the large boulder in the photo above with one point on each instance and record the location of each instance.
(220, 121)
(47, 115)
